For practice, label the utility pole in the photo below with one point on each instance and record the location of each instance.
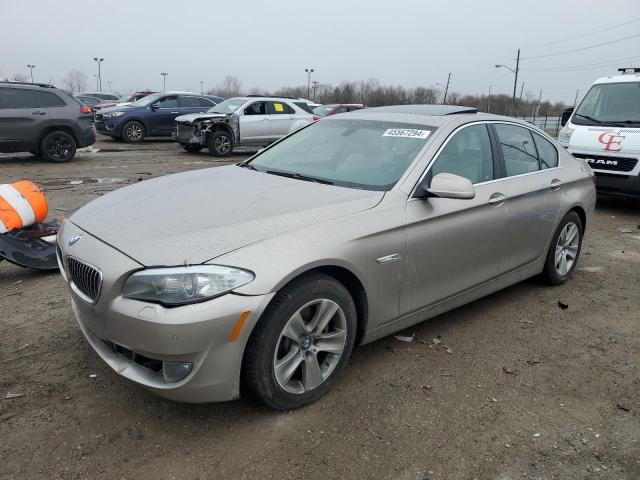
(315, 84)
(536, 110)
(520, 98)
(515, 84)
(164, 81)
(575, 100)
(489, 99)
(201, 83)
(99, 61)
(309, 72)
(446, 90)
(31, 67)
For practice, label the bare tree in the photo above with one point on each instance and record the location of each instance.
(75, 80)
(229, 87)
(19, 77)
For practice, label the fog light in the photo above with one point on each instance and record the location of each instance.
(175, 371)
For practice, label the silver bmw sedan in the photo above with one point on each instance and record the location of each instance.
(267, 273)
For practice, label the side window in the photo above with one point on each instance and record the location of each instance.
(18, 98)
(167, 102)
(280, 108)
(190, 102)
(341, 110)
(256, 108)
(48, 99)
(518, 149)
(546, 151)
(205, 102)
(468, 154)
(304, 106)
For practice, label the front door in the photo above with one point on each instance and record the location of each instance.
(20, 114)
(162, 115)
(454, 245)
(255, 125)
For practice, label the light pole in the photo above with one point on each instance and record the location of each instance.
(201, 83)
(309, 72)
(99, 61)
(164, 81)
(95, 75)
(315, 87)
(109, 83)
(489, 99)
(31, 67)
(515, 80)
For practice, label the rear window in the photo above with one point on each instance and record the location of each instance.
(304, 106)
(48, 99)
(518, 149)
(18, 98)
(280, 108)
(546, 152)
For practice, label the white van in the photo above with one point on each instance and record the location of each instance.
(604, 130)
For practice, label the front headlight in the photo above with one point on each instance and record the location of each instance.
(183, 285)
(113, 114)
(565, 135)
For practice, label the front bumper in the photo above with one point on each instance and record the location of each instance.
(108, 127)
(127, 333)
(187, 134)
(617, 184)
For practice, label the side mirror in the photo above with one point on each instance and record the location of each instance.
(153, 108)
(448, 185)
(564, 118)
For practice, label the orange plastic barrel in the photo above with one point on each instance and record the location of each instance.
(21, 204)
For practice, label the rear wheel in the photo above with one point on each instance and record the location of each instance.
(564, 250)
(133, 132)
(220, 144)
(58, 147)
(301, 343)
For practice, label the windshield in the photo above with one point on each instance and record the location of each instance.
(323, 110)
(366, 154)
(228, 106)
(610, 103)
(124, 98)
(148, 100)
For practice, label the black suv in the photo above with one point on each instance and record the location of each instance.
(43, 120)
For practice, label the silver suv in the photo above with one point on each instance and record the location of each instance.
(43, 120)
(241, 121)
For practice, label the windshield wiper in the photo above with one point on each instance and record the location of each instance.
(299, 176)
(599, 122)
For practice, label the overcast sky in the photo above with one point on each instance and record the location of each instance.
(269, 43)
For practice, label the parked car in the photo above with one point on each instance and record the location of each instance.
(604, 130)
(43, 120)
(344, 232)
(239, 121)
(151, 116)
(334, 108)
(123, 100)
(100, 95)
(91, 102)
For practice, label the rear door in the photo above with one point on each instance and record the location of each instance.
(21, 117)
(193, 104)
(534, 193)
(255, 125)
(454, 245)
(281, 117)
(162, 115)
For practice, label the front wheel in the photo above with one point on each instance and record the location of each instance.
(564, 250)
(301, 343)
(133, 132)
(220, 144)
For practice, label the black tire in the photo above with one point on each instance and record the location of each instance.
(220, 143)
(551, 273)
(58, 147)
(192, 148)
(133, 132)
(259, 361)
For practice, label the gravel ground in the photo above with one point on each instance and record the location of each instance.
(512, 387)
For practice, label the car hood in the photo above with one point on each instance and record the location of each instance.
(118, 108)
(193, 217)
(192, 117)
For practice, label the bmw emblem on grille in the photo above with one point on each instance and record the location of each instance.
(74, 240)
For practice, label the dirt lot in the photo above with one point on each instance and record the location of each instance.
(517, 388)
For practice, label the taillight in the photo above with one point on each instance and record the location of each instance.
(85, 109)
(315, 118)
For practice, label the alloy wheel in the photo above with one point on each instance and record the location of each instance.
(310, 346)
(567, 248)
(59, 147)
(134, 132)
(222, 145)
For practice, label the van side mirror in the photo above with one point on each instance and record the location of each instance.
(564, 118)
(448, 185)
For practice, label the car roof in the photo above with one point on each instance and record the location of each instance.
(624, 78)
(267, 97)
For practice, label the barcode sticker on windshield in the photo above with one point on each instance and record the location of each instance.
(406, 133)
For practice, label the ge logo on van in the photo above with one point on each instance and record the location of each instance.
(611, 140)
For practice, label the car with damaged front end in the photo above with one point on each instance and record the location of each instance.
(240, 121)
(268, 272)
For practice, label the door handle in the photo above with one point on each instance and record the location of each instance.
(38, 113)
(555, 185)
(265, 119)
(175, 112)
(497, 199)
